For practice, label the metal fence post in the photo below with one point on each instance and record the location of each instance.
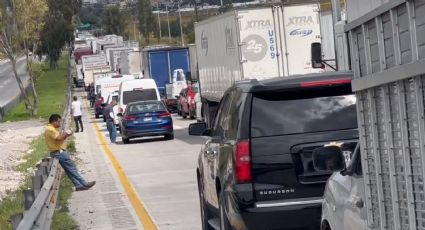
(28, 198)
(15, 220)
(37, 183)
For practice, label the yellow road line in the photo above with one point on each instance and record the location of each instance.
(141, 212)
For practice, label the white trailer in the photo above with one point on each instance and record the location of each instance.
(114, 55)
(256, 43)
(106, 50)
(131, 62)
(387, 40)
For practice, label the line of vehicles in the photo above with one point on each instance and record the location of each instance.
(303, 135)
(293, 144)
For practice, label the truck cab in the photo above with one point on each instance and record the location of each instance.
(343, 202)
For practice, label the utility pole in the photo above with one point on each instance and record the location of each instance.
(168, 21)
(181, 27)
(159, 21)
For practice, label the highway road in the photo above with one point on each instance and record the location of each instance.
(160, 173)
(8, 86)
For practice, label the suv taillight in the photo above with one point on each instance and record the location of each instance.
(242, 161)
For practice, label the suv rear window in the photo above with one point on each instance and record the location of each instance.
(139, 95)
(276, 114)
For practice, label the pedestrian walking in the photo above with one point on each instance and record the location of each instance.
(108, 114)
(56, 143)
(77, 112)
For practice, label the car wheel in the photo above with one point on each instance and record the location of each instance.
(96, 115)
(325, 226)
(205, 215)
(125, 140)
(224, 222)
(169, 136)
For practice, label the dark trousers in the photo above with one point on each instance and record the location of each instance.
(78, 123)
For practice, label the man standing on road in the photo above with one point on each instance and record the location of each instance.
(77, 112)
(108, 114)
(56, 144)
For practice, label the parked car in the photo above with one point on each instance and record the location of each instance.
(146, 118)
(256, 169)
(180, 100)
(343, 204)
(187, 104)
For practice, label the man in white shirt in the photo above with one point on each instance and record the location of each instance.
(77, 112)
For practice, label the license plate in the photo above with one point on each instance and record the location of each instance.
(147, 119)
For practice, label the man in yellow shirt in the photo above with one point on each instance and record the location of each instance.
(56, 144)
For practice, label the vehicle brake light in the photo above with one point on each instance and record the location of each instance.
(130, 118)
(325, 83)
(164, 115)
(242, 161)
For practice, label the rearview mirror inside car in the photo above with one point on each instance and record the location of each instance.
(328, 159)
(199, 129)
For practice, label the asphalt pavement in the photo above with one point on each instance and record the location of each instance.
(161, 173)
(9, 88)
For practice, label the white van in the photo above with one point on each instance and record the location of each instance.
(137, 90)
(98, 77)
(109, 85)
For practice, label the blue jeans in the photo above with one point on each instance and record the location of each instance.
(70, 169)
(112, 129)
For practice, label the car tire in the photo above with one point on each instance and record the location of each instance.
(169, 136)
(205, 215)
(125, 140)
(224, 222)
(325, 226)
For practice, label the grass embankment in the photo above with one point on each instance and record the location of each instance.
(51, 88)
(14, 203)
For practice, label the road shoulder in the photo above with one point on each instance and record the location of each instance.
(105, 206)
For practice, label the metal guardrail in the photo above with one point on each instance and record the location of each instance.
(40, 201)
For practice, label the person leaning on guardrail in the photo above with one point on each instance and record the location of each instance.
(56, 144)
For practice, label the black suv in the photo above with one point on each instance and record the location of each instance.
(256, 169)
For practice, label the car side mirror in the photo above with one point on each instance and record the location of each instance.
(316, 56)
(199, 129)
(328, 159)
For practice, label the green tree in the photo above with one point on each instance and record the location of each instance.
(59, 28)
(114, 20)
(20, 24)
(147, 22)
